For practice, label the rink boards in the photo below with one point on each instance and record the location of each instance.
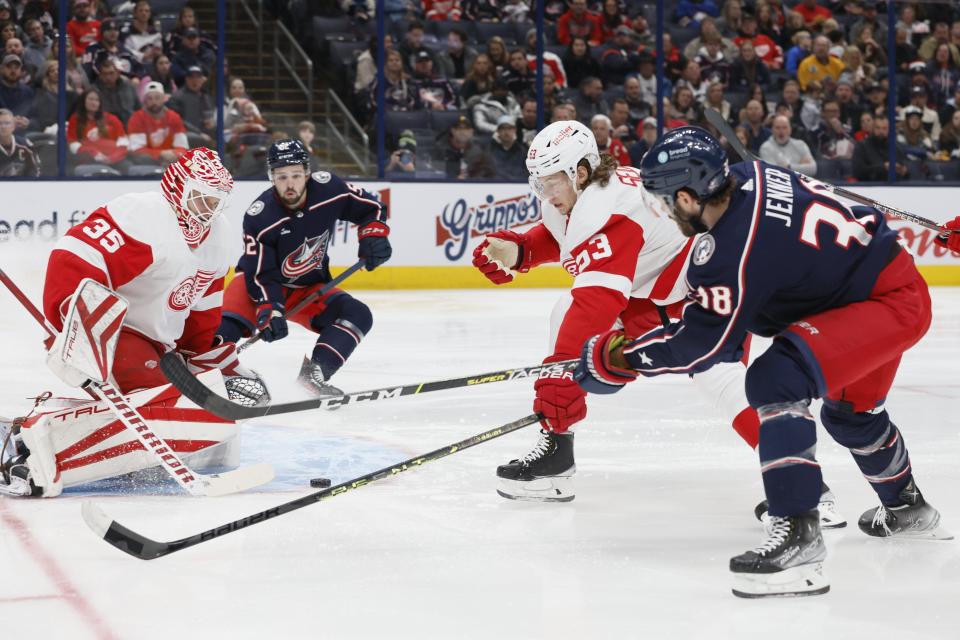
(434, 226)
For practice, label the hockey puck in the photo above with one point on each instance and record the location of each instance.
(320, 483)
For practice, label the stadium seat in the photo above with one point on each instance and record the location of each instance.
(487, 30)
(252, 163)
(917, 170)
(397, 121)
(167, 22)
(443, 120)
(549, 32)
(440, 29)
(324, 26)
(46, 151)
(167, 6)
(95, 171)
(945, 171)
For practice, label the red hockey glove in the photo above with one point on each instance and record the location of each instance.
(950, 240)
(374, 246)
(559, 400)
(499, 255)
(597, 372)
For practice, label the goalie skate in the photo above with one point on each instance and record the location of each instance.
(543, 475)
(14, 473)
(789, 562)
(830, 517)
(916, 519)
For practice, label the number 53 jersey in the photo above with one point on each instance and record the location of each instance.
(784, 250)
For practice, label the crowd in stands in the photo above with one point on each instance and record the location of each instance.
(138, 94)
(804, 82)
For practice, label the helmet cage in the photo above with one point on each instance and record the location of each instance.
(197, 187)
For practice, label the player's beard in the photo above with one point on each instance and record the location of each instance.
(292, 201)
(689, 224)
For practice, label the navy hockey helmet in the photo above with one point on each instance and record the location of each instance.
(685, 158)
(284, 153)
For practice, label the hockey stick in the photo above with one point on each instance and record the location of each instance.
(179, 375)
(197, 484)
(716, 119)
(142, 547)
(310, 298)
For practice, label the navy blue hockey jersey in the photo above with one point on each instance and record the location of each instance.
(784, 250)
(288, 248)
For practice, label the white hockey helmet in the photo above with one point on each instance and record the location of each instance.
(561, 146)
(196, 185)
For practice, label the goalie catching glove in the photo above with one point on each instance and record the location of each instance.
(85, 349)
(602, 367)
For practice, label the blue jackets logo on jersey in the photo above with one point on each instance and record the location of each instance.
(307, 257)
(703, 251)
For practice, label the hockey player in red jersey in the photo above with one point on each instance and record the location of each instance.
(164, 253)
(628, 260)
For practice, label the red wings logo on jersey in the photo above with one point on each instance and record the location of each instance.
(307, 258)
(190, 290)
(571, 266)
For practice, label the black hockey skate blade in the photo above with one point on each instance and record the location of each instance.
(320, 483)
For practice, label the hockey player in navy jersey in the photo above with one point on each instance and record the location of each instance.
(825, 278)
(285, 233)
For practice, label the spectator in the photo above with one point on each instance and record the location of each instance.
(441, 9)
(589, 99)
(117, 94)
(527, 124)
(109, 47)
(714, 66)
(951, 105)
(942, 73)
(813, 14)
(95, 135)
(37, 48)
(708, 30)
(497, 52)
(633, 94)
(514, 11)
(692, 79)
(602, 130)
(578, 21)
(507, 152)
(141, 38)
(17, 158)
(482, 11)
(412, 45)
(550, 60)
(367, 65)
(913, 29)
(434, 90)
(399, 92)
(648, 136)
(162, 71)
(812, 104)
(782, 150)
(904, 52)
(552, 94)
(790, 96)
(647, 80)
(619, 58)
(156, 134)
(15, 95)
(870, 156)
(578, 61)
(877, 100)
(849, 109)
(186, 19)
(403, 160)
(29, 73)
(83, 29)
(689, 12)
(714, 100)
(620, 122)
(767, 23)
(458, 58)
(831, 138)
(191, 54)
(242, 118)
(866, 127)
(478, 81)
(44, 113)
(941, 35)
(820, 64)
(518, 75)
(854, 70)
(766, 49)
(931, 119)
(869, 20)
(8, 30)
(565, 111)
(611, 17)
(950, 137)
(673, 58)
(76, 78)
(493, 106)
(461, 157)
(748, 69)
(681, 109)
(730, 19)
(752, 124)
(874, 54)
(802, 43)
(307, 132)
(33, 10)
(914, 139)
(195, 106)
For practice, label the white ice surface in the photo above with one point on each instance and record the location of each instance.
(665, 496)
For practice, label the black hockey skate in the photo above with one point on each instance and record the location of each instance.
(312, 379)
(788, 563)
(248, 391)
(14, 472)
(543, 475)
(830, 517)
(914, 519)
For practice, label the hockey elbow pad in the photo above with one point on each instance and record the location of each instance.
(596, 372)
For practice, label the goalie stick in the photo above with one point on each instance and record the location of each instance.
(142, 547)
(195, 483)
(179, 375)
(716, 119)
(310, 298)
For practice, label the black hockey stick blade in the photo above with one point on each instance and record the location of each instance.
(716, 119)
(142, 547)
(310, 298)
(174, 367)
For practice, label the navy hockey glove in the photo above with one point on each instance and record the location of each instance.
(597, 371)
(271, 322)
(374, 247)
